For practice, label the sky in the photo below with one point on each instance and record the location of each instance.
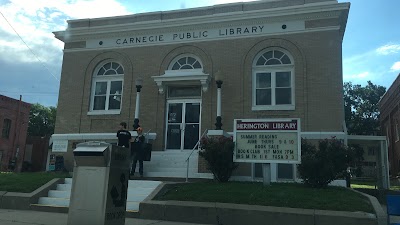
(31, 58)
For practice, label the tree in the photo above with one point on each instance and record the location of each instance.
(41, 120)
(361, 108)
(320, 166)
(218, 152)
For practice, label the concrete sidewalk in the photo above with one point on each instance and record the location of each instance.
(20, 217)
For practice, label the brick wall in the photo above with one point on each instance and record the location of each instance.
(389, 108)
(318, 83)
(9, 108)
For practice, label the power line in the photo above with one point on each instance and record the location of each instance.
(44, 65)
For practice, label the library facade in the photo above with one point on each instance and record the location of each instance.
(188, 73)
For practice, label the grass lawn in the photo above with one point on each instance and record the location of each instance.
(26, 182)
(281, 195)
(394, 185)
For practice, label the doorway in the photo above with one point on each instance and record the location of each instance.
(183, 124)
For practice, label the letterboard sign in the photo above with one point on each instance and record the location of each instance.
(267, 140)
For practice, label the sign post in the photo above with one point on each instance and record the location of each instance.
(267, 141)
(266, 167)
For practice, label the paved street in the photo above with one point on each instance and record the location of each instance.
(19, 217)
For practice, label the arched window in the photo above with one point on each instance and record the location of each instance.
(107, 88)
(185, 62)
(273, 80)
(184, 70)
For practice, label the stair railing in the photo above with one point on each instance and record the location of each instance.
(194, 148)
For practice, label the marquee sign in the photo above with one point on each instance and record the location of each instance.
(267, 141)
(191, 35)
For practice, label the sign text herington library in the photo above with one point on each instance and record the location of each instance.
(267, 141)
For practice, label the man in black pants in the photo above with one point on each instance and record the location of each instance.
(137, 152)
(124, 136)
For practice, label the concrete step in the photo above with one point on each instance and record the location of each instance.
(181, 174)
(59, 194)
(180, 155)
(152, 169)
(58, 200)
(54, 201)
(164, 165)
(68, 181)
(64, 187)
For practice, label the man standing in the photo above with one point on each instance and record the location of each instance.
(123, 135)
(138, 152)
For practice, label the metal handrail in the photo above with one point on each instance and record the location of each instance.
(187, 160)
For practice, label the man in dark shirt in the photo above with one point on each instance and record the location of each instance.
(124, 136)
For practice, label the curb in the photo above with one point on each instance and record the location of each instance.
(238, 214)
(380, 214)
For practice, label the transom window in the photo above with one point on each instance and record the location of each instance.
(273, 81)
(186, 63)
(6, 128)
(107, 89)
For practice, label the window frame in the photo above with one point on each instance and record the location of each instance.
(6, 130)
(105, 78)
(397, 131)
(179, 57)
(273, 69)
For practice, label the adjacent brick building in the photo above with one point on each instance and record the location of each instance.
(14, 118)
(277, 59)
(389, 107)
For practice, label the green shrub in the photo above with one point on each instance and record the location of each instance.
(218, 152)
(321, 166)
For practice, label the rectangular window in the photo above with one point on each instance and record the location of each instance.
(263, 89)
(6, 128)
(397, 131)
(107, 95)
(273, 91)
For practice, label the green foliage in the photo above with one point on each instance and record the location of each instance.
(358, 157)
(321, 166)
(218, 152)
(361, 108)
(41, 120)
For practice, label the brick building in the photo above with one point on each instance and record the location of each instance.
(14, 119)
(390, 124)
(276, 59)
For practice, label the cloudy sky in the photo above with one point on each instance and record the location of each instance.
(30, 56)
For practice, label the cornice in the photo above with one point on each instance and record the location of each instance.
(311, 30)
(302, 12)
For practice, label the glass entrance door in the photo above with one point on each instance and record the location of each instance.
(183, 124)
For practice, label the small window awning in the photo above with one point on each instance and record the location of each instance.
(182, 77)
